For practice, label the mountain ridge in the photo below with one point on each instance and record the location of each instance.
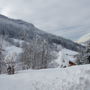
(84, 38)
(16, 28)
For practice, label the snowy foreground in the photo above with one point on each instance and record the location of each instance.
(71, 78)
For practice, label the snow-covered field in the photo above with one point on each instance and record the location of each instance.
(71, 78)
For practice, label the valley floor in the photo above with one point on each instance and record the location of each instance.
(71, 78)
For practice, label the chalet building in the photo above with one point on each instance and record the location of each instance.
(72, 63)
(72, 60)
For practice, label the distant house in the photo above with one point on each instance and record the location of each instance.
(72, 63)
(69, 58)
(72, 60)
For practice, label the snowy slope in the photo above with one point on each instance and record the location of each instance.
(66, 55)
(84, 38)
(13, 49)
(12, 53)
(72, 78)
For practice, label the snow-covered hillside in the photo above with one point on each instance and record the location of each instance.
(9, 55)
(66, 55)
(12, 52)
(71, 78)
(13, 49)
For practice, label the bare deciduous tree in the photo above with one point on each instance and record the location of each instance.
(36, 54)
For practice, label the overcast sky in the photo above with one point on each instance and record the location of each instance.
(67, 18)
